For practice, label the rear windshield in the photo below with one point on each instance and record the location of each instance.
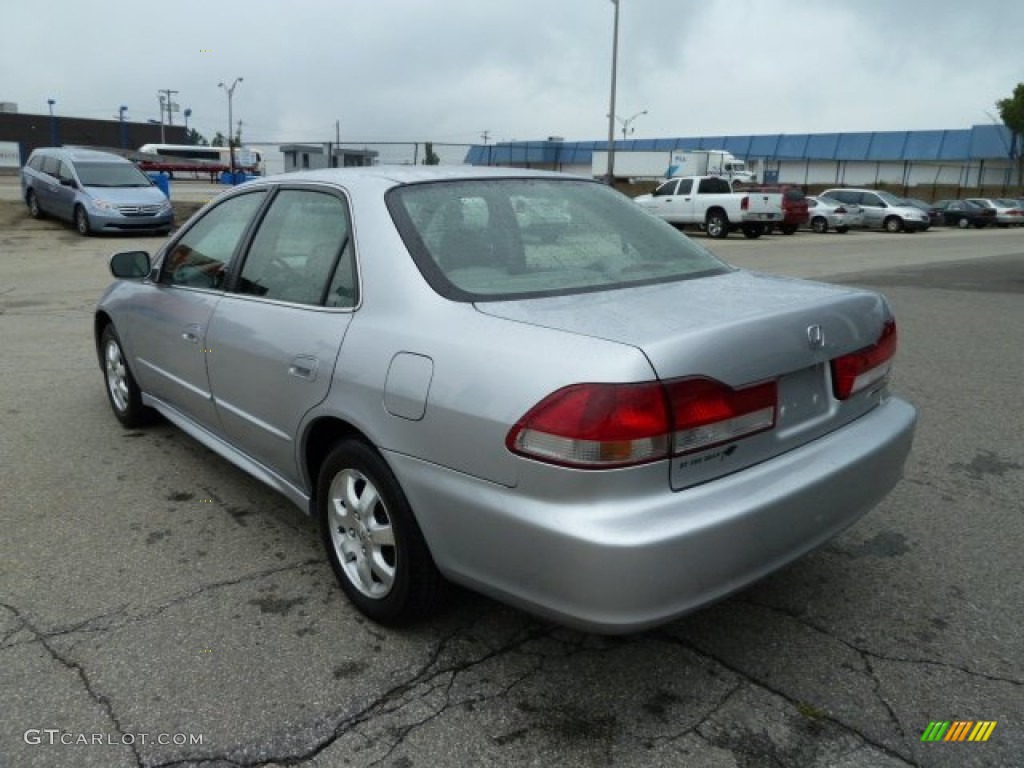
(496, 239)
(111, 175)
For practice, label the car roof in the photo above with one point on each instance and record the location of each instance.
(413, 174)
(81, 154)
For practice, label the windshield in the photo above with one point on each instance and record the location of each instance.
(111, 175)
(515, 238)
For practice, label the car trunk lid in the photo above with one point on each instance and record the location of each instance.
(740, 329)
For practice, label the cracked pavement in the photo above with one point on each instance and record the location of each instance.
(148, 588)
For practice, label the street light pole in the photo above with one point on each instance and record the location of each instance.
(626, 122)
(124, 133)
(611, 107)
(53, 123)
(231, 121)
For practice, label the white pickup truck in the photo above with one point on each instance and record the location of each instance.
(710, 203)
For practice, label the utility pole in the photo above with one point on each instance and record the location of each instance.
(611, 108)
(168, 93)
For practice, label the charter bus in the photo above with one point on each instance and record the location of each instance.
(246, 159)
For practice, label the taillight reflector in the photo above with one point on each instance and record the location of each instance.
(853, 372)
(595, 426)
(706, 412)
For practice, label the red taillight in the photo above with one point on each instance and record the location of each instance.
(599, 426)
(745, 204)
(706, 412)
(853, 372)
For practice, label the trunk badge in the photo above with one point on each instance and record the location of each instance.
(815, 337)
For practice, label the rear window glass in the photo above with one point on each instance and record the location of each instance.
(494, 239)
(794, 195)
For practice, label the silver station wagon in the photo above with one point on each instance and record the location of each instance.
(513, 380)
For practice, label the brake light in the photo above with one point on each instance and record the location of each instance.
(706, 412)
(853, 372)
(745, 203)
(599, 426)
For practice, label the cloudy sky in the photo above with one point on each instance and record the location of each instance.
(447, 70)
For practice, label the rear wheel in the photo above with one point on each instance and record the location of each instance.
(753, 231)
(788, 229)
(717, 224)
(820, 225)
(963, 222)
(33, 206)
(82, 221)
(894, 224)
(372, 540)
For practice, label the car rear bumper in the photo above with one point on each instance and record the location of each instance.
(610, 554)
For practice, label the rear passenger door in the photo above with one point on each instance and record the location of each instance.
(274, 337)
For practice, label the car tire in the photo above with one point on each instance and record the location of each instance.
(33, 205)
(753, 231)
(81, 219)
(819, 224)
(893, 224)
(963, 222)
(372, 539)
(788, 229)
(717, 225)
(123, 393)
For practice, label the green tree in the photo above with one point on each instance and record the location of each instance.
(218, 140)
(195, 138)
(1011, 111)
(429, 156)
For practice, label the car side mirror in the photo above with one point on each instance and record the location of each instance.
(130, 264)
(69, 183)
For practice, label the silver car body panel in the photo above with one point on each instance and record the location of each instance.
(435, 385)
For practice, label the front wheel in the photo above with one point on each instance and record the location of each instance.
(82, 221)
(819, 224)
(122, 391)
(963, 222)
(372, 540)
(33, 206)
(717, 225)
(753, 231)
(894, 224)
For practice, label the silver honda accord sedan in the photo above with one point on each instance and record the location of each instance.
(517, 381)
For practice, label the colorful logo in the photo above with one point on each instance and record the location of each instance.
(958, 730)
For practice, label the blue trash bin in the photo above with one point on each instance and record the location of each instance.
(161, 181)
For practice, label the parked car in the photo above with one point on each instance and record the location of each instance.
(610, 429)
(826, 213)
(1015, 207)
(1006, 212)
(934, 214)
(883, 210)
(964, 213)
(794, 204)
(96, 191)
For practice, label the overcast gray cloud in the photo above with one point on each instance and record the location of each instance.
(522, 69)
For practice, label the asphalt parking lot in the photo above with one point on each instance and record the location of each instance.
(160, 608)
